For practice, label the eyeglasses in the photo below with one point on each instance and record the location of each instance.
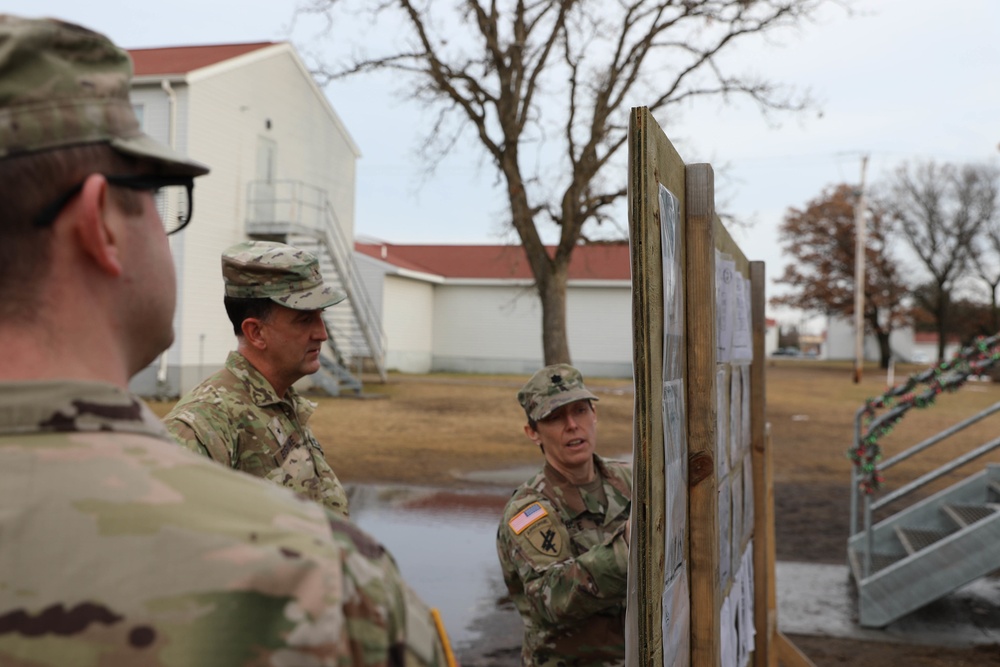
(170, 193)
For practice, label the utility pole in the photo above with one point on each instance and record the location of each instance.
(859, 275)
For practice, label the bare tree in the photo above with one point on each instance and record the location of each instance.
(939, 211)
(545, 86)
(821, 238)
(986, 245)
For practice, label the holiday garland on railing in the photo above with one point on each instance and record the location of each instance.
(947, 376)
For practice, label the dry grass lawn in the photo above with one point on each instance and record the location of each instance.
(421, 429)
(812, 405)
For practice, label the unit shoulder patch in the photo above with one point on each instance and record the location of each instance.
(544, 537)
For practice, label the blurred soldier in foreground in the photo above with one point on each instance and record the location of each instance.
(117, 547)
(248, 416)
(563, 540)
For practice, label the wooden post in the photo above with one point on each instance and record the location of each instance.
(703, 520)
(652, 160)
(765, 597)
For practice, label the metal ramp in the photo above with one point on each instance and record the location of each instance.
(301, 215)
(940, 543)
(928, 550)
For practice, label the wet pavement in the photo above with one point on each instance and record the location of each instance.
(820, 600)
(444, 542)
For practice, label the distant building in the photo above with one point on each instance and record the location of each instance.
(474, 308)
(771, 332)
(925, 347)
(283, 168)
(812, 344)
(841, 342)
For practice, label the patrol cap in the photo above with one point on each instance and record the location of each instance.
(550, 388)
(63, 85)
(279, 272)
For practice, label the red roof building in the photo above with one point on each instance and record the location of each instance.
(169, 60)
(474, 308)
(606, 261)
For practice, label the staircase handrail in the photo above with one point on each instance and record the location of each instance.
(311, 212)
(870, 507)
(947, 433)
(937, 473)
(866, 477)
(368, 319)
(947, 376)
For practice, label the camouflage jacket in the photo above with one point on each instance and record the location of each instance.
(117, 547)
(565, 561)
(235, 418)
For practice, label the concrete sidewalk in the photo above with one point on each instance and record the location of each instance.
(820, 600)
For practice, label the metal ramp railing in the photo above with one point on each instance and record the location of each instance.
(937, 544)
(927, 550)
(302, 215)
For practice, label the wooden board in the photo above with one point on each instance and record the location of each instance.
(686, 269)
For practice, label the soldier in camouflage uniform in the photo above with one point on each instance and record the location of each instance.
(563, 540)
(248, 416)
(117, 547)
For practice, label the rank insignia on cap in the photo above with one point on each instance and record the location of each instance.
(526, 517)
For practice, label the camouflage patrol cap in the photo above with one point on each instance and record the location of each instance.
(551, 388)
(279, 272)
(63, 85)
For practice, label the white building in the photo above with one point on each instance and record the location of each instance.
(841, 342)
(771, 334)
(475, 308)
(925, 347)
(283, 167)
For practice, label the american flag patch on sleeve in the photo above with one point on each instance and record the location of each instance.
(526, 517)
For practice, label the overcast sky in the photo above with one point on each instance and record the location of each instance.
(899, 80)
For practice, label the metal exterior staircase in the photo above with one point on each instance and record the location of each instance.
(301, 215)
(928, 550)
(940, 543)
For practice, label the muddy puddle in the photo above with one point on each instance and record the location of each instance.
(445, 544)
